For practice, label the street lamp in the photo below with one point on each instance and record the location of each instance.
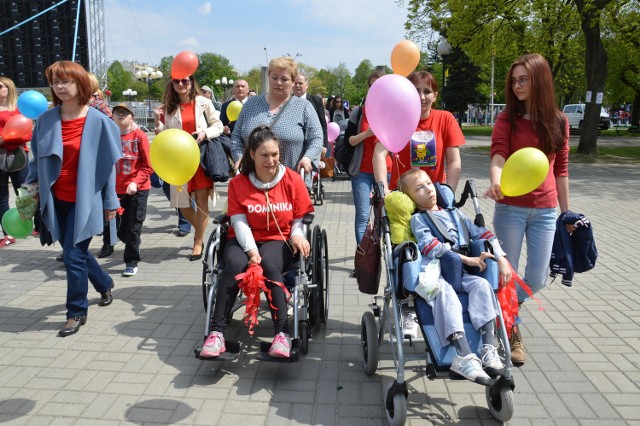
(130, 93)
(444, 49)
(225, 86)
(149, 75)
(294, 57)
(266, 54)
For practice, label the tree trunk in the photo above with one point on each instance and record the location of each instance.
(635, 111)
(596, 69)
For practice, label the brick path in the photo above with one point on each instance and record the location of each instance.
(133, 363)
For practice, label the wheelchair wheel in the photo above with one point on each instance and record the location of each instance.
(316, 300)
(369, 342)
(397, 414)
(500, 402)
(325, 287)
(304, 336)
(208, 265)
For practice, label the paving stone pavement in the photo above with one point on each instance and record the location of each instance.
(133, 363)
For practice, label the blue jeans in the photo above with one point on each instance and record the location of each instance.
(79, 263)
(511, 225)
(183, 223)
(17, 178)
(361, 186)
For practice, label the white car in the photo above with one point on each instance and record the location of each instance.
(575, 115)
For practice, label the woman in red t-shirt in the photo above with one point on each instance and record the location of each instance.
(8, 108)
(434, 147)
(266, 205)
(184, 108)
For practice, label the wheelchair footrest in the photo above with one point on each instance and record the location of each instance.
(231, 354)
(264, 353)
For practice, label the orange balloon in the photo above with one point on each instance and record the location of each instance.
(405, 57)
(16, 127)
(184, 65)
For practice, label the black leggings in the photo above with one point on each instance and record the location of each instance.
(276, 258)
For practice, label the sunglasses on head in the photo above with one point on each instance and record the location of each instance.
(183, 81)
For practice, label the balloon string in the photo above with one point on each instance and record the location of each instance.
(192, 201)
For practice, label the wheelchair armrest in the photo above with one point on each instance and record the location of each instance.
(308, 219)
(221, 219)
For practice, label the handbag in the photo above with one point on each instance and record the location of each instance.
(12, 160)
(328, 170)
(368, 261)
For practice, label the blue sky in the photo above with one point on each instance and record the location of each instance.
(326, 33)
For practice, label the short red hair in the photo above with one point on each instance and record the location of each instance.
(70, 71)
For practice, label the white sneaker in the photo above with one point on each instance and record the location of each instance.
(130, 271)
(470, 368)
(491, 360)
(410, 326)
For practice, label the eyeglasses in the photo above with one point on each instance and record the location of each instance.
(120, 111)
(522, 81)
(61, 83)
(184, 81)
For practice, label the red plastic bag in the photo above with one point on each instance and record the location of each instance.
(508, 299)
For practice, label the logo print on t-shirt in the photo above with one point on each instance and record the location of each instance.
(423, 149)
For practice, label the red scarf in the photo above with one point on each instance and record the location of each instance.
(251, 282)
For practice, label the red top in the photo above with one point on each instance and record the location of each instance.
(66, 186)
(188, 116)
(428, 146)
(12, 144)
(505, 142)
(369, 146)
(289, 200)
(134, 166)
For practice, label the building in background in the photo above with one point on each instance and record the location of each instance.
(26, 51)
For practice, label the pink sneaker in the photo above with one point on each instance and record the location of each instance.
(281, 346)
(213, 346)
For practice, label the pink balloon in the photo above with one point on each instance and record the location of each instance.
(333, 131)
(393, 110)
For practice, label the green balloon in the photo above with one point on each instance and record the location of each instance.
(13, 224)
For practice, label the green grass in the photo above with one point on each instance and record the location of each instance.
(606, 154)
(477, 130)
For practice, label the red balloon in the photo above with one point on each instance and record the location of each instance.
(184, 65)
(16, 127)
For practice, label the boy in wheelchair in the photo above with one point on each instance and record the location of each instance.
(447, 309)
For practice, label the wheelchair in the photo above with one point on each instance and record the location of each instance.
(387, 313)
(309, 293)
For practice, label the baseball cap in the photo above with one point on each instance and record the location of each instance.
(206, 89)
(124, 106)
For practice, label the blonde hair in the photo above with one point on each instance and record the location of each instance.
(95, 86)
(402, 180)
(12, 95)
(286, 63)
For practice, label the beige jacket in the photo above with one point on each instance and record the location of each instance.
(213, 128)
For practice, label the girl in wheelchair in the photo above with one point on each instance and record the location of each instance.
(447, 309)
(267, 202)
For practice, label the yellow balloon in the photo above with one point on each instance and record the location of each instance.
(175, 156)
(233, 110)
(524, 171)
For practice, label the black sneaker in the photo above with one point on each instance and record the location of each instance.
(105, 251)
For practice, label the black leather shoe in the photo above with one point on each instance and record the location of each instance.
(193, 257)
(105, 251)
(72, 325)
(60, 258)
(106, 298)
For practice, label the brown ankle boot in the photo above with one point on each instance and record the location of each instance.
(518, 355)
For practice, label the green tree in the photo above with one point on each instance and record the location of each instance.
(462, 84)
(360, 87)
(253, 77)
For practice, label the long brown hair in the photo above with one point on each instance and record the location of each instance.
(416, 76)
(257, 137)
(72, 71)
(171, 99)
(546, 118)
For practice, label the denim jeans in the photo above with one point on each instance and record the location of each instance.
(361, 186)
(17, 178)
(79, 263)
(183, 223)
(511, 225)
